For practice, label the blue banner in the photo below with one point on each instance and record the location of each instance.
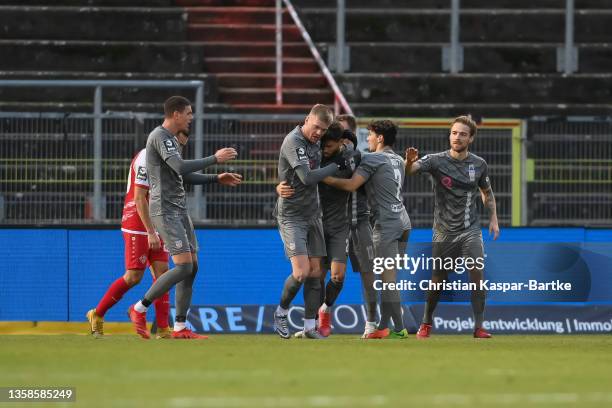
(59, 274)
(448, 319)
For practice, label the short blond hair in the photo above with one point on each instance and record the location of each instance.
(467, 121)
(322, 112)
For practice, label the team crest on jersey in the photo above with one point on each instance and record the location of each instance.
(179, 244)
(447, 181)
(472, 172)
(143, 259)
(169, 145)
(141, 174)
(301, 153)
(292, 246)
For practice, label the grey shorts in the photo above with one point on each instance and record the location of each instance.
(336, 246)
(389, 241)
(465, 244)
(361, 248)
(177, 232)
(302, 237)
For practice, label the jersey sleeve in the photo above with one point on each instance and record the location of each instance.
(427, 163)
(141, 178)
(165, 146)
(295, 152)
(367, 166)
(357, 158)
(484, 182)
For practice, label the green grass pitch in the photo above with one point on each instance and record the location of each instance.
(342, 371)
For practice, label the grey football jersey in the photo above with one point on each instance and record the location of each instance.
(361, 208)
(358, 200)
(456, 186)
(297, 151)
(334, 201)
(385, 173)
(166, 194)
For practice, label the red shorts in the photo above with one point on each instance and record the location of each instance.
(137, 252)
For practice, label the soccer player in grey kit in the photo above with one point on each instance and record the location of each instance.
(382, 172)
(167, 206)
(335, 225)
(459, 178)
(335, 220)
(361, 252)
(299, 218)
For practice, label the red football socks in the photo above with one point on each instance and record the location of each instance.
(162, 310)
(114, 293)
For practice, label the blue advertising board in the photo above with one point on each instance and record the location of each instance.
(59, 274)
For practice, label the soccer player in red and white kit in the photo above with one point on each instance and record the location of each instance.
(143, 247)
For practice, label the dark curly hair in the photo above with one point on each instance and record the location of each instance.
(386, 128)
(347, 134)
(334, 133)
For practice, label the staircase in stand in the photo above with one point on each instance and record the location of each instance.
(238, 39)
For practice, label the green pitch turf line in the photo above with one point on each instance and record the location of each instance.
(343, 371)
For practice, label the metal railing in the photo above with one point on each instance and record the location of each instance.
(452, 54)
(456, 52)
(339, 99)
(341, 60)
(569, 172)
(47, 177)
(98, 86)
(567, 54)
(546, 173)
(570, 53)
(496, 141)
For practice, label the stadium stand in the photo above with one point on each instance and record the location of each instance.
(396, 70)
(102, 40)
(510, 63)
(238, 38)
(230, 46)
(510, 47)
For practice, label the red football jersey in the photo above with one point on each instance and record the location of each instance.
(130, 221)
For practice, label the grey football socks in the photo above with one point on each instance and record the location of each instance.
(290, 289)
(166, 281)
(312, 289)
(183, 292)
(332, 290)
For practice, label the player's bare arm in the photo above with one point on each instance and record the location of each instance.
(489, 202)
(142, 206)
(229, 179)
(351, 184)
(412, 155)
(284, 190)
(225, 154)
